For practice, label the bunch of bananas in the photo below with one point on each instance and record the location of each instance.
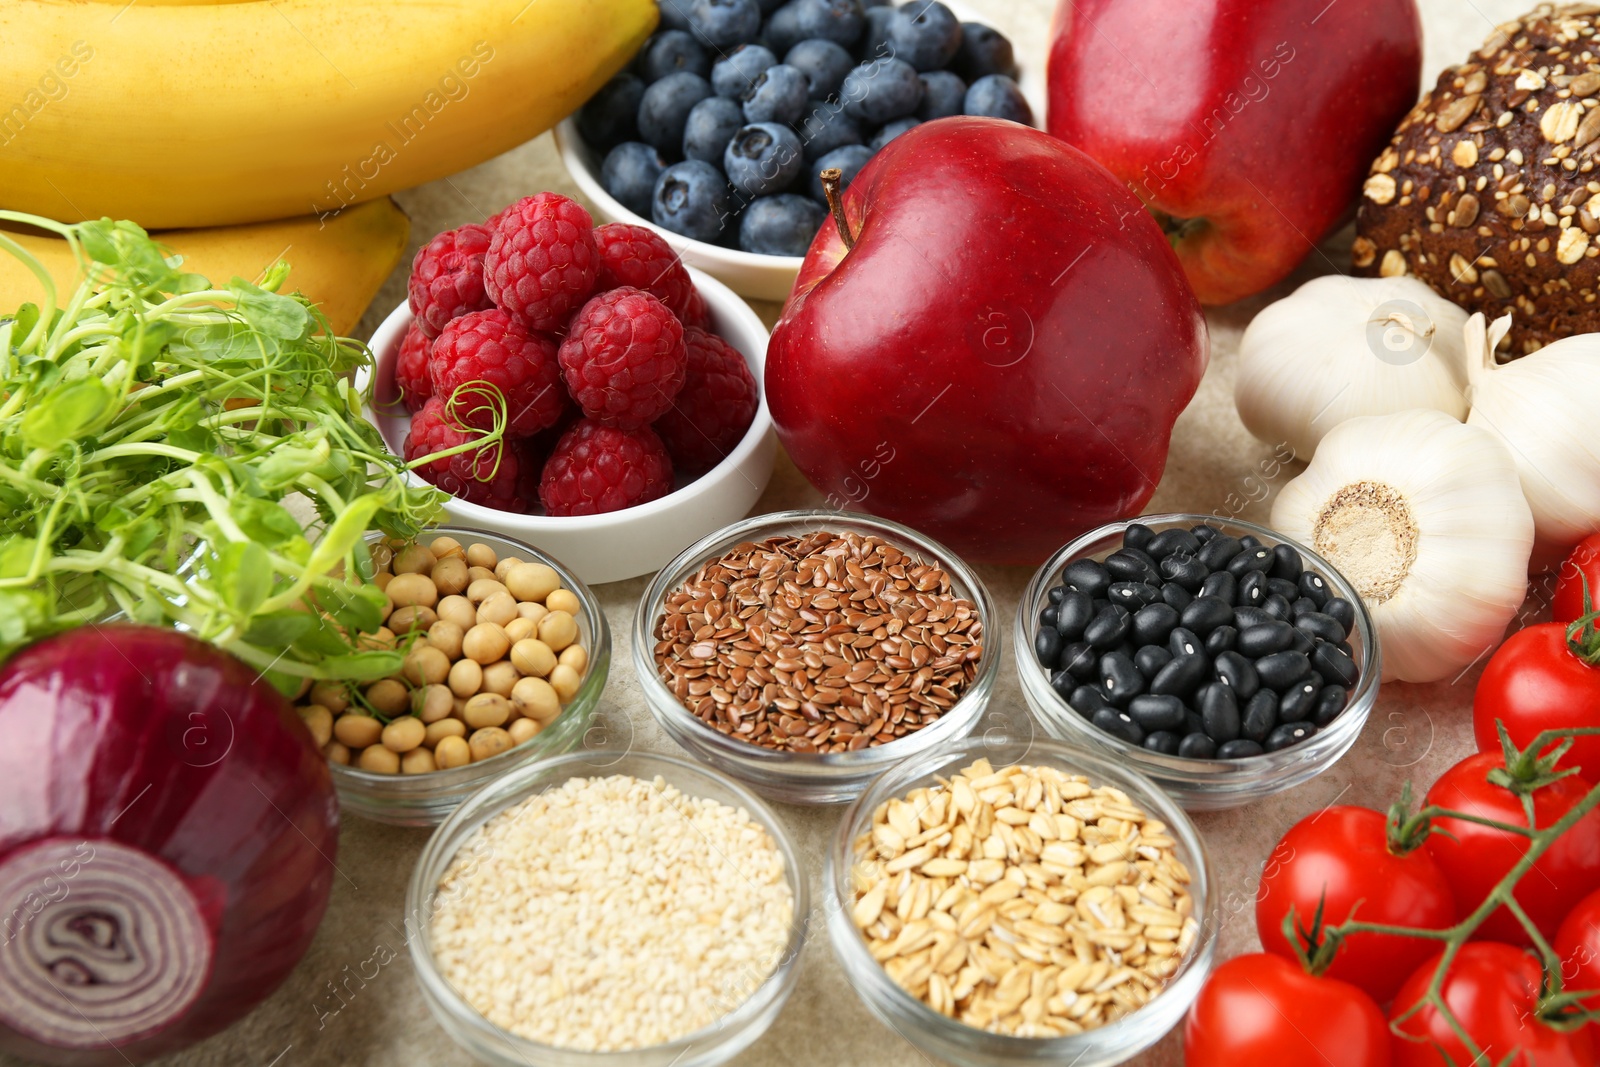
(180, 114)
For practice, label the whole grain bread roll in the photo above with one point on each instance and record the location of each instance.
(1489, 190)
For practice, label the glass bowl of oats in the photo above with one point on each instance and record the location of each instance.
(1015, 902)
(805, 652)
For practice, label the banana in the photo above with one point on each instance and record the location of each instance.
(338, 265)
(215, 114)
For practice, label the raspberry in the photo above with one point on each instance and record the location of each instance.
(699, 313)
(716, 407)
(638, 257)
(447, 277)
(491, 476)
(412, 374)
(542, 260)
(491, 346)
(598, 468)
(623, 358)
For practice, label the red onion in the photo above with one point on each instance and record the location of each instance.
(167, 841)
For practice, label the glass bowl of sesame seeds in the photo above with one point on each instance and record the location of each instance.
(608, 908)
(1010, 902)
(805, 652)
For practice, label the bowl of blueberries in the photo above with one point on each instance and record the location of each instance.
(717, 134)
(1223, 660)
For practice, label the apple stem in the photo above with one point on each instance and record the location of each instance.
(830, 187)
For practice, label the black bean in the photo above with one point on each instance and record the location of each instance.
(1343, 612)
(1252, 590)
(1239, 674)
(1086, 576)
(1250, 618)
(1313, 586)
(1282, 669)
(1055, 594)
(1087, 699)
(1047, 616)
(1290, 733)
(1288, 590)
(1334, 666)
(1193, 723)
(1243, 748)
(1345, 647)
(1219, 550)
(1303, 642)
(1153, 712)
(1299, 702)
(1176, 596)
(1133, 595)
(1278, 608)
(1260, 716)
(1175, 541)
(1099, 604)
(1118, 724)
(1265, 638)
(1153, 623)
(1206, 614)
(1203, 533)
(1047, 646)
(1221, 585)
(1330, 702)
(1131, 565)
(1302, 604)
(1286, 563)
(1221, 640)
(1063, 683)
(1109, 628)
(1120, 680)
(1322, 627)
(1150, 659)
(1080, 659)
(1250, 541)
(1258, 558)
(1183, 642)
(1197, 746)
(1186, 571)
(1164, 742)
(1219, 709)
(1138, 535)
(1073, 614)
(1181, 676)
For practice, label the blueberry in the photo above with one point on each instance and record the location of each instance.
(784, 225)
(925, 34)
(630, 173)
(777, 95)
(875, 37)
(825, 127)
(675, 14)
(612, 115)
(984, 50)
(823, 62)
(783, 29)
(763, 158)
(664, 110)
(738, 70)
(890, 132)
(712, 123)
(672, 51)
(722, 23)
(881, 91)
(840, 21)
(769, 6)
(997, 96)
(693, 199)
(849, 160)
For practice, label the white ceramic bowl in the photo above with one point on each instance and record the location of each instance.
(758, 277)
(634, 541)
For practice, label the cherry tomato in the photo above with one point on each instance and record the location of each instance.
(1341, 856)
(1578, 945)
(1534, 682)
(1493, 991)
(1583, 563)
(1264, 1011)
(1479, 856)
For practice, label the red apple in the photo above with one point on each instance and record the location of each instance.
(999, 359)
(1247, 125)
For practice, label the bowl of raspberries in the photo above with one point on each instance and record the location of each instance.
(575, 386)
(717, 134)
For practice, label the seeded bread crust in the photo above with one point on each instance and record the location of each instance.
(1489, 192)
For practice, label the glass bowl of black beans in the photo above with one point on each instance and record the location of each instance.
(1223, 660)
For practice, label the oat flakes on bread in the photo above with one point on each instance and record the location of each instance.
(1489, 190)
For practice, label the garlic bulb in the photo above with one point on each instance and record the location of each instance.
(1425, 517)
(1340, 347)
(1543, 406)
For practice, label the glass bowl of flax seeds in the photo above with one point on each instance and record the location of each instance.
(805, 652)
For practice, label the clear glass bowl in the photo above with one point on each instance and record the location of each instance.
(488, 1043)
(1199, 785)
(946, 1040)
(799, 778)
(425, 799)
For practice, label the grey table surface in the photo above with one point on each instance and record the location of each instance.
(1414, 733)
